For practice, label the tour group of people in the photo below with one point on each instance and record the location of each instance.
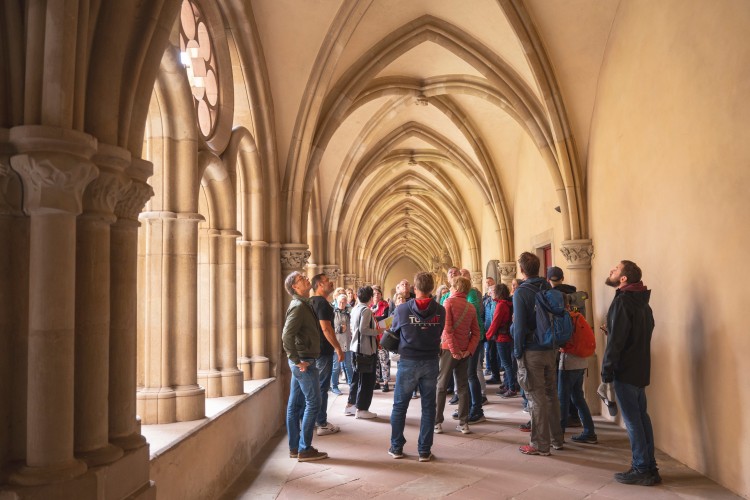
(444, 334)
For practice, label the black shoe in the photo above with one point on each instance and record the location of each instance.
(476, 419)
(455, 415)
(585, 438)
(386, 388)
(453, 400)
(396, 452)
(632, 476)
(377, 385)
(485, 400)
(657, 477)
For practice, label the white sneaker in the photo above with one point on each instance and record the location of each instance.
(365, 414)
(438, 428)
(463, 428)
(350, 410)
(328, 428)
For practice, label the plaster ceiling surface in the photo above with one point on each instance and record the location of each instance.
(291, 32)
(330, 86)
(428, 59)
(482, 19)
(576, 53)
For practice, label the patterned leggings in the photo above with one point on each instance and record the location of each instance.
(383, 367)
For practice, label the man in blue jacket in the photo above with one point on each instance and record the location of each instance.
(419, 322)
(627, 363)
(537, 365)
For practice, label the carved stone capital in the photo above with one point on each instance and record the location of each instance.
(131, 203)
(507, 271)
(294, 256)
(54, 165)
(103, 194)
(577, 253)
(476, 279)
(332, 271)
(349, 280)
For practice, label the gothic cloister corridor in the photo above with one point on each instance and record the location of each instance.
(164, 165)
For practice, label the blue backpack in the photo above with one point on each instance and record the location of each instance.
(554, 326)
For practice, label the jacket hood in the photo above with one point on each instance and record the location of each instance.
(427, 313)
(636, 291)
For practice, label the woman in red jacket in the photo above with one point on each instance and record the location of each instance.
(499, 332)
(458, 342)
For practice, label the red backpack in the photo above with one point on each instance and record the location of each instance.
(582, 343)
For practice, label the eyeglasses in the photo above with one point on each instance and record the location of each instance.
(301, 277)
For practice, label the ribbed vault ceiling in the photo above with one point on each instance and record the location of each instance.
(403, 121)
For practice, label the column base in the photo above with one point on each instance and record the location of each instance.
(101, 456)
(36, 476)
(260, 367)
(130, 442)
(245, 367)
(156, 406)
(231, 382)
(190, 402)
(211, 380)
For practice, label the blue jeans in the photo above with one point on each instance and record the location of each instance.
(504, 356)
(336, 371)
(325, 366)
(632, 403)
(570, 385)
(475, 389)
(414, 374)
(304, 401)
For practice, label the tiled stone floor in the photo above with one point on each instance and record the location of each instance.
(485, 464)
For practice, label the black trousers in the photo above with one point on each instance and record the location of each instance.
(361, 388)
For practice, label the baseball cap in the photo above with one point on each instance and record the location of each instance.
(554, 273)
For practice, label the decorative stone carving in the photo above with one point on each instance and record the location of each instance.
(349, 280)
(5, 177)
(294, 258)
(133, 200)
(53, 181)
(578, 253)
(333, 272)
(507, 271)
(102, 195)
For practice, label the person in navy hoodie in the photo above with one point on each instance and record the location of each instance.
(419, 322)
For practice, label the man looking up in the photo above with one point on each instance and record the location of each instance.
(322, 288)
(627, 363)
(419, 322)
(301, 328)
(537, 365)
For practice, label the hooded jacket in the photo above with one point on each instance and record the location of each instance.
(630, 323)
(419, 330)
(464, 335)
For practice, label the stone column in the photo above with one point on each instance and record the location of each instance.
(258, 310)
(208, 298)
(244, 294)
(507, 272)
(92, 313)
(55, 167)
(171, 392)
(253, 311)
(123, 354)
(231, 376)
(275, 318)
(578, 254)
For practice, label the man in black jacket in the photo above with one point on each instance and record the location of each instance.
(627, 363)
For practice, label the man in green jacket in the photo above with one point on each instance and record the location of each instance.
(301, 340)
